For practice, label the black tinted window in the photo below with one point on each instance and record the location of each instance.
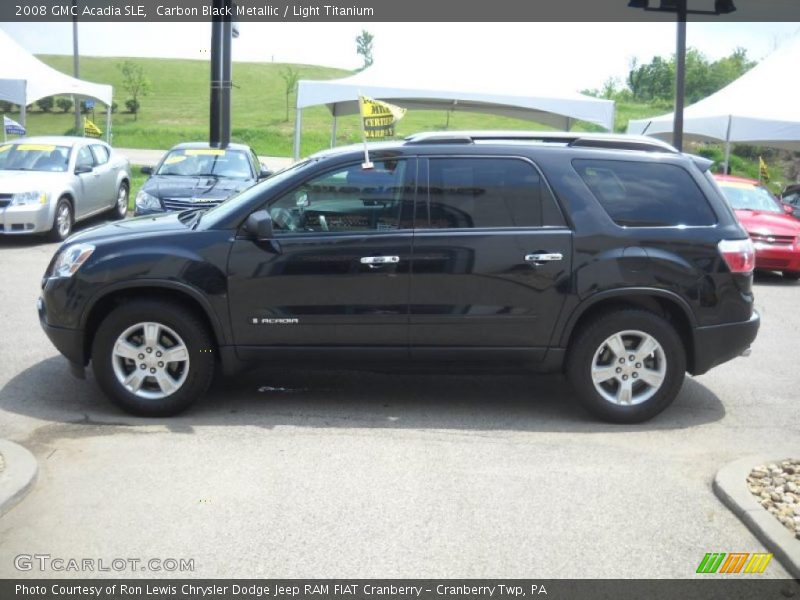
(644, 194)
(483, 192)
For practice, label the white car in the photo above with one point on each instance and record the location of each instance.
(49, 183)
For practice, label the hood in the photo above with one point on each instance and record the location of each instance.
(211, 188)
(136, 227)
(12, 182)
(768, 222)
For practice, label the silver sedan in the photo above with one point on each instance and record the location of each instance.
(49, 183)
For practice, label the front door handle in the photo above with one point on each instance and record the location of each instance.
(542, 258)
(377, 261)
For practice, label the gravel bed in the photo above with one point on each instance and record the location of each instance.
(777, 487)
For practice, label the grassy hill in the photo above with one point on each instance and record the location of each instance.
(177, 107)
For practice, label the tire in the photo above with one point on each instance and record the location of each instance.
(791, 275)
(149, 393)
(120, 208)
(63, 220)
(593, 349)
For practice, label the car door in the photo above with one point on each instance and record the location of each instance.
(337, 272)
(90, 199)
(492, 257)
(106, 173)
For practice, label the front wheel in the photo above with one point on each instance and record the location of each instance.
(153, 358)
(62, 221)
(627, 366)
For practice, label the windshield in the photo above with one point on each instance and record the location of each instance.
(744, 196)
(222, 211)
(34, 157)
(194, 162)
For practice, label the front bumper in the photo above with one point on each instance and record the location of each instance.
(778, 258)
(68, 342)
(717, 344)
(25, 219)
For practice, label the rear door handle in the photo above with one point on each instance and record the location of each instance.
(541, 258)
(376, 261)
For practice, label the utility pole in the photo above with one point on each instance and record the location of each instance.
(76, 71)
(680, 77)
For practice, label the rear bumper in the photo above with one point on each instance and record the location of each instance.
(717, 344)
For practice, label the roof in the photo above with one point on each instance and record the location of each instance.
(24, 79)
(733, 179)
(204, 145)
(754, 109)
(57, 140)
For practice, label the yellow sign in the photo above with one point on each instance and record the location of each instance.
(763, 172)
(205, 152)
(4, 148)
(91, 129)
(35, 148)
(174, 159)
(379, 117)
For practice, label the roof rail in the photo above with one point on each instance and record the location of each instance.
(573, 139)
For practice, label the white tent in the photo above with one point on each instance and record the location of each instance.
(24, 79)
(757, 108)
(414, 86)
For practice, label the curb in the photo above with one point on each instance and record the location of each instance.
(19, 475)
(730, 486)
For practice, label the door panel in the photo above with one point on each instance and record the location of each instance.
(338, 269)
(477, 289)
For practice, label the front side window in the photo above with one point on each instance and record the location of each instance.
(645, 194)
(350, 199)
(483, 192)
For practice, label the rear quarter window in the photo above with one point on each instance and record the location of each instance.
(645, 194)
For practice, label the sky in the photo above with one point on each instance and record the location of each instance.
(575, 55)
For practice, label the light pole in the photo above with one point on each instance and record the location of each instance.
(76, 71)
(681, 9)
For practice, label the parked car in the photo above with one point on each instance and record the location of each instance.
(195, 175)
(775, 234)
(614, 258)
(791, 200)
(49, 183)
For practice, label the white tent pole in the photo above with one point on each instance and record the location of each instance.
(568, 125)
(298, 124)
(5, 135)
(333, 132)
(728, 147)
(108, 123)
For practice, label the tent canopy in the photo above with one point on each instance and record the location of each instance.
(482, 90)
(757, 108)
(24, 79)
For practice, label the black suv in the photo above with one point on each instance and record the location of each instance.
(614, 258)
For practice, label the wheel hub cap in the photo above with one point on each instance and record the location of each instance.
(628, 368)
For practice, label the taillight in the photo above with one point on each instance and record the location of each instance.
(739, 255)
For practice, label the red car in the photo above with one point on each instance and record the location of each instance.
(775, 234)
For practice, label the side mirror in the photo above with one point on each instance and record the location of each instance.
(146, 170)
(788, 208)
(264, 173)
(81, 169)
(259, 225)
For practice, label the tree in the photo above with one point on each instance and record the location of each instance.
(65, 104)
(136, 84)
(290, 78)
(364, 47)
(46, 104)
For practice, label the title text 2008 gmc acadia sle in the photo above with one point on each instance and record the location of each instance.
(611, 257)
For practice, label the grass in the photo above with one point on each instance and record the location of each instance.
(176, 110)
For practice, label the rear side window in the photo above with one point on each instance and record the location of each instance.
(483, 192)
(643, 194)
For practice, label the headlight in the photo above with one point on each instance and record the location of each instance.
(148, 201)
(24, 198)
(71, 259)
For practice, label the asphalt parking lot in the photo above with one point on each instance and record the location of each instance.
(307, 473)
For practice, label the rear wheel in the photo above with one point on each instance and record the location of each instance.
(627, 365)
(791, 275)
(120, 209)
(63, 221)
(153, 358)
